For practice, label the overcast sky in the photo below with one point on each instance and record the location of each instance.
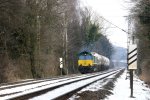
(114, 11)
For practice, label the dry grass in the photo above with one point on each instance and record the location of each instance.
(96, 95)
(145, 76)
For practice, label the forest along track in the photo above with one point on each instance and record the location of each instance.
(39, 88)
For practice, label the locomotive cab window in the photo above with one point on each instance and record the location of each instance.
(85, 57)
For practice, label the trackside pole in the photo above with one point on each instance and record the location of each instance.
(61, 71)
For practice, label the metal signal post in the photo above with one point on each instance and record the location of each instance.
(132, 63)
(131, 55)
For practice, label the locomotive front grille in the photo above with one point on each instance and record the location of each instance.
(85, 62)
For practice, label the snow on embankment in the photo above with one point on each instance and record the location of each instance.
(121, 90)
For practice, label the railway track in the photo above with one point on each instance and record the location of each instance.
(51, 88)
(27, 82)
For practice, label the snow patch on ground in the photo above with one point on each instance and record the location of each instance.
(122, 90)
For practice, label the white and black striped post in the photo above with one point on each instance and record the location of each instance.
(61, 65)
(132, 56)
(132, 63)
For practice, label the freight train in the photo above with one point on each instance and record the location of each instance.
(89, 62)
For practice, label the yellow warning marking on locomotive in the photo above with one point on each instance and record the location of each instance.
(85, 63)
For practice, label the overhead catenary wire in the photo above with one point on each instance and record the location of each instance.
(113, 24)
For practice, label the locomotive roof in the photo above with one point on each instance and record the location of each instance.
(84, 52)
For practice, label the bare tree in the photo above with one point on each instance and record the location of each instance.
(141, 16)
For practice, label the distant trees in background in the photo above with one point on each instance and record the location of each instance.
(34, 34)
(140, 13)
(93, 34)
(104, 47)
